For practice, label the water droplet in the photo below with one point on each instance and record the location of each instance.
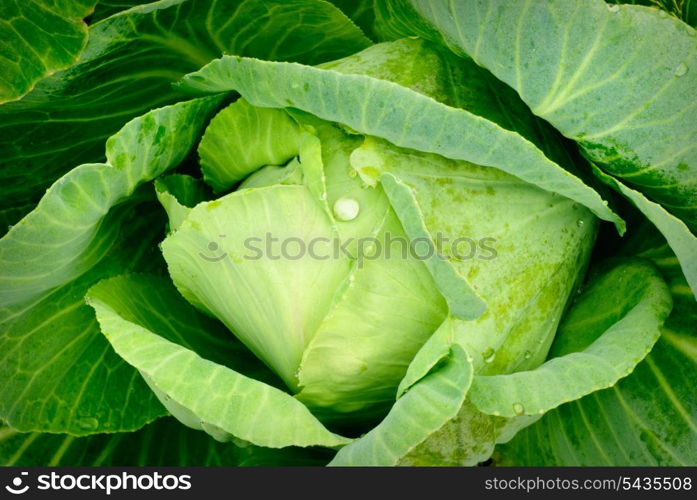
(580, 222)
(352, 173)
(346, 209)
(88, 423)
(527, 355)
(489, 355)
(518, 409)
(681, 69)
(323, 196)
(613, 7)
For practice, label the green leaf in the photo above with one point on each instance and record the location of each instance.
(367, 105)
(10, 216)
(201, 393)
(65, 377)
(38, 37)
(178, 194)
(473, 226)
(361, 12)
(463, 301)
(353, 363)
(242, 139)
(424, 409)
(681, 240)
(618, 79)
(609, 330)
(220, 245)
(61, 374)
(163, 443)
(127, 69)
(682, 9)
(647, 418)
(106, 8)
(466, 440)
(166, 313)
(71, 229)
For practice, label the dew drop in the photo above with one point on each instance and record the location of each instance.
(527, 355)
(580, 223)
(489, 355)
(323, 196)
(88, 423)
(352, 173)
(518, 409)
(681, 69)
(613, 7)
(346, 209)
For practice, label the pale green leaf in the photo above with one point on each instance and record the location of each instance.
(609, 330)
(424, 409)
(368, 105)
(203, 394)
(178, 194)
(647, 419)
(283, 300)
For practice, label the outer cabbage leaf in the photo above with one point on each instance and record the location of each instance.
(647, 418)
(609, 329)
(682, 9)
(127, 69)
(361, 12)
(428, 405)
(38, 37)
(43, 250)
(59, 373)
(50, 258)
(681, 240)
(367, 104)
(163, 443)
(618, 79)
(501, 405)
(200, 393)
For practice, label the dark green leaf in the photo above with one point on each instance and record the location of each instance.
(648, 418)
(163, 443)
(59, 373)
(38, 37)
(128, 66)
